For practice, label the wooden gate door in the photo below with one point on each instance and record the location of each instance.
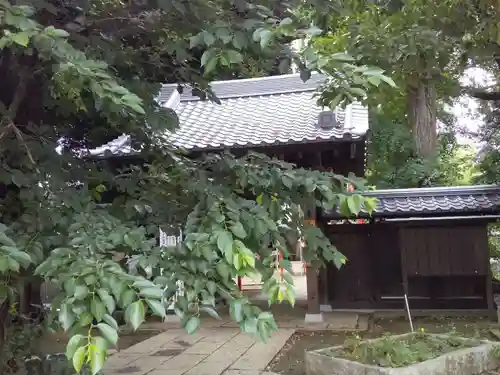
(351, 286)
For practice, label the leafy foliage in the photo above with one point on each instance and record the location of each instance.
(21, 344)
(74, 78)
(394, 163)
(424, 46)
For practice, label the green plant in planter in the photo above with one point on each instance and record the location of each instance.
(496, 351)
(390, 351)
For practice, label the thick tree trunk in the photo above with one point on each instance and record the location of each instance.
(422, 116)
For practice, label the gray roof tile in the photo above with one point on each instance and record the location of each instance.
(258, 112)
(431, 201)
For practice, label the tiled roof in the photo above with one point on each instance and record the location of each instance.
(253, 112)
(479, 199)
(258, 112)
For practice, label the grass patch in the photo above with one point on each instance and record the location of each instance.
(390, 351)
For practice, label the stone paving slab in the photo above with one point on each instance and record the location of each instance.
(211, 351)
(258, 356)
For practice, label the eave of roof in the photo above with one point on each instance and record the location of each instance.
(437, 201)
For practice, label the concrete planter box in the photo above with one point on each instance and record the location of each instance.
(467, 361)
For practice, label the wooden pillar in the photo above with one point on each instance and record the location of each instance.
(313, 305)
(490, 302)
(312, 275)
(323, 290)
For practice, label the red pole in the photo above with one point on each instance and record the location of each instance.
(240, 286)
(281, 268)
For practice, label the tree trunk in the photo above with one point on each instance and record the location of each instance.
(4, 317)
(422, 116)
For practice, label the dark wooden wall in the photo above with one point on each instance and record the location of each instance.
(342, 157)
(440, 265)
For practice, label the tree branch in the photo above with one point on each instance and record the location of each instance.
(483, 93)
(9, 113)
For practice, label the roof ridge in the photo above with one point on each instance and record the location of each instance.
(253, 79)
(251, 95)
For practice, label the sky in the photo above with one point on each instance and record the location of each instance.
(466, 108)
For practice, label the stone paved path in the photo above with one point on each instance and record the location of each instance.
(217, 349)
(210, 351)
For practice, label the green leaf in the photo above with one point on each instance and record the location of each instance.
(22, 38)
(107, 299)
(66, 316)
(196, 40)
(117, 287)
(339, 259)
(212, 287)
(265, 315)
(6, 240)
(73, 344)
(238, 230)
(96, 355)
(208, 55)
(135, 314)
(81, 292)
(192, 324)
(139, 109)
(85, 319)
(79, 358)
(143, 284)
(263, 331)
(313, 31)
(357, 91)
(225, 242)
(97, 309)
(240, 40)
(208, 38)
(354, 203)
(237, 310)
(127, 297)
(223, 270)
(343, 57)
(370, 204)
(157, 307)
(111, 321)
(290, 295)
(388, 80)
(250, 325)
(234, 57)
(210, 311)
(59, 33)
(211, 64)
(151, 293)
(374, 80)
(108, 332)
(336, 101)
(265, 37)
